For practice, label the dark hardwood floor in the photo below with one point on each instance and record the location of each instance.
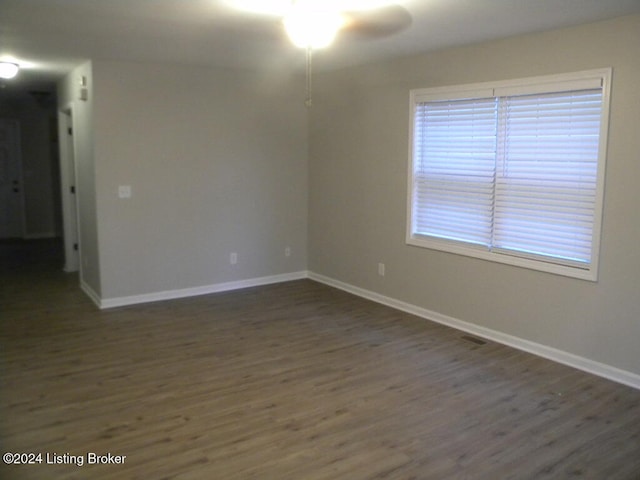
(289, 381)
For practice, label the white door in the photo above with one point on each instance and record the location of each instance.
(11, 192)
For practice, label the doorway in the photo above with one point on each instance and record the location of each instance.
(11, 182)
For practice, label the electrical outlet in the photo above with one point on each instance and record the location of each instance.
(287, 251)
(381, 269)
(233, 258)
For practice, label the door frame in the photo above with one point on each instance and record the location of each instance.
(69, 190)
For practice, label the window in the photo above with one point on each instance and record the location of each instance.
(512, 171)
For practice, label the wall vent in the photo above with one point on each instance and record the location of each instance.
(476, 340)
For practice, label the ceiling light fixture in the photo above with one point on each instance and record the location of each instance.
(8, 69)
(314, 24)
(311, 26)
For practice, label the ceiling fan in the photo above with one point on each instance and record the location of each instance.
(314, 24)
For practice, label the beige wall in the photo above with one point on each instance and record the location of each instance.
(217, 163)
(358, 175)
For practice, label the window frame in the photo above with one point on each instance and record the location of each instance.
(522, 86)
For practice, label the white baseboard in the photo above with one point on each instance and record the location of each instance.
(195, 291)
(90, 292)
(600, 369)
(581, 363)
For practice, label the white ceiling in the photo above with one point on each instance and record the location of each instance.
(48, 37)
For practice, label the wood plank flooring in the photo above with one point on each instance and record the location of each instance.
(289, 381)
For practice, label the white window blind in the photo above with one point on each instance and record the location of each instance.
(547, 167)
(516, 175)
(455, 145)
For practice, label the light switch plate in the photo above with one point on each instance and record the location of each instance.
(124, 191)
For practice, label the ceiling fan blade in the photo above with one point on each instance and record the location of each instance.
(380, 22)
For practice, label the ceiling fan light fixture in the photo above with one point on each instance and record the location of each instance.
(8, 70)
(309, 27)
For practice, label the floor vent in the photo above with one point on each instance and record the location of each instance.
(477, 341)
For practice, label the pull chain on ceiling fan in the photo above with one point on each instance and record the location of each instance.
(308, 101)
